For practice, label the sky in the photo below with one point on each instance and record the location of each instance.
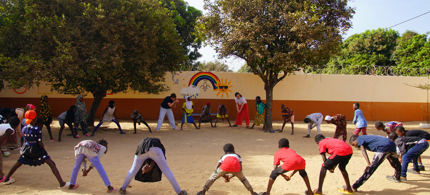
(369, 14)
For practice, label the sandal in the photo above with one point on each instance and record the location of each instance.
(343, 191)
(184, 192)
(4, 177)
(74, 187)
(11, 180)
(113, 190)
(121, 191)
(314, 192)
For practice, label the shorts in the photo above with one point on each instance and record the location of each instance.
(342, 161)
(279, 170)
(221, 116)
(48, 121)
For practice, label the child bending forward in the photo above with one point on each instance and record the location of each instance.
(291, 162)
(230, 163)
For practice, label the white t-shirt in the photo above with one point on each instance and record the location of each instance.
(240, 101)
(63, 115)
(4, 127)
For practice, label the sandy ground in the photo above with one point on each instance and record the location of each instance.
(192, 155)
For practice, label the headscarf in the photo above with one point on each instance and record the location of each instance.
(30, 116)
(45, 109)
(188, 104)
(81, 110)
(30, 107)
(328, 118)
(111, 103)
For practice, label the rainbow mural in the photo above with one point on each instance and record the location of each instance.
(204, 76)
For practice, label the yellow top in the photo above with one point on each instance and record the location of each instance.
(189, 111)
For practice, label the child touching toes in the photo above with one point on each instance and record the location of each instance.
(6, 130)
(67, 117)
(137, 118)
(222, 114)
(288, 116)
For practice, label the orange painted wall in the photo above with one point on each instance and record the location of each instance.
(149, 108)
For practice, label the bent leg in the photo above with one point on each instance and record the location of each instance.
(117, 124)
(95, 161)
(55, 172)
(95, 129)
(171, 118)
(243, 179)
(137, 163)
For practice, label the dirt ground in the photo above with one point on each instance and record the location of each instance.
(192, 155)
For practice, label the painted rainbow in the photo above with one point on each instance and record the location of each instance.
(204, 76)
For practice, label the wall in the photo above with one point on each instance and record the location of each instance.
(381, 97)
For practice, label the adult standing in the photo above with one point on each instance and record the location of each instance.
(166, 108)
(46, 114)
(242, 110)
(81, 115)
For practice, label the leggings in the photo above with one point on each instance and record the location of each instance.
(95, 161)
(156, 154)
(100, 124)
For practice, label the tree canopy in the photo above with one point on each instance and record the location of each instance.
(276, 36)
(244, 69)
(215, 66)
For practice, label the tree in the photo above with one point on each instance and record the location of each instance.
(91, 46)
(412, 51)
(216, 66)
(244, 69)
(276, 36)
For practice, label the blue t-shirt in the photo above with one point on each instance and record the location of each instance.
(376, 143)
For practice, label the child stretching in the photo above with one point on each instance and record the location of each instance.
(340, 121)
(410, 149)
(67, 117)
(33, 152)
(387, 127)
(222, 114)
(340, 154)
(314, 120)
(384, 148)
(359, 120)
(400, 131)
(206, 114)
(288, 116)
(137, 118)
(7, 130)
(46, 114)
(259, 116)
(230, 163)
(108, 116)
(92, 151)
(188, 112)
(85, 171)
(291, 162)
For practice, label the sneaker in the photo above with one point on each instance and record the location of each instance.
(413, 171)
(392, 178)
(403, 179)
(78, 136)
(11, 180)
(88, 135)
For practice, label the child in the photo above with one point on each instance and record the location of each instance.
(33, 152)
(85, 171)
(137, 118)
(259, 116)
(206, 114)
(81, 115)
(6, 130)
(400, 131)
(67, 117)
(388, 127)
(288, 116)
(340, 154)
(340, 121)
(384, 148)
(314, 120)
(92, 151)
(410, 149)
(187, 107)
(108, 116)
(230, 163)
(359, 120)
(222, 114)
(10, 142)
(46, 114)
(291, 162)
(153, 149)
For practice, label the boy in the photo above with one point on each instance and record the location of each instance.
(206, 115)
(314, 120)
(387, 127)
(222, 114)
(384, 148)
(359, 120)
(340, 154)
(410, 149)
(340, 121)
(137, 118)
(400, 131)
(288, 116)
(291, 162)
(230, 163)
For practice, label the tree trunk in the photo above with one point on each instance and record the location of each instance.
(269, 105)
(98, 97)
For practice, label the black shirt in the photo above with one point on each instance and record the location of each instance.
(406, 143)
(148, 143)
(418, 133)
(165, 101)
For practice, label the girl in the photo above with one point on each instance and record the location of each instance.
(242, 110)
(6, 130)
(81, 115)
(67, 117)
(33, 152)
(288, 116)
(153, 149)
(187, 107)
(259, 116)
(222, 114)
(93, 151)
(137, 118)
(108, 116)
(46, 114)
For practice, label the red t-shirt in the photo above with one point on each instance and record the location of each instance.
(290, 160)
(230, 163)
(334, 147)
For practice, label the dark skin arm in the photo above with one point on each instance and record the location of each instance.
(104, 112)
(364, 152)
(5, 135)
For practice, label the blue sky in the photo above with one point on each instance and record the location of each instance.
(370, 14)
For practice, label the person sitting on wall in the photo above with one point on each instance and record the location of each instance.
(206, 114)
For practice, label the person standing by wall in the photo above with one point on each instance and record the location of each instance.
(242, 110)
(81, 115)
(359, 120)
(166, 108)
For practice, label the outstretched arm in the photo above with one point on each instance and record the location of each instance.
(366, 157)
